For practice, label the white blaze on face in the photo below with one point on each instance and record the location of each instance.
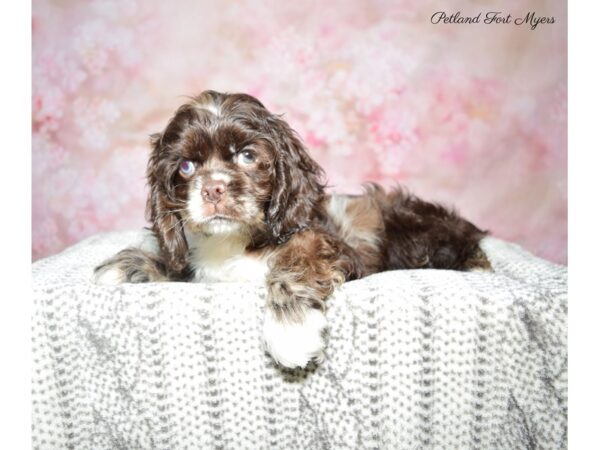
(220, 176)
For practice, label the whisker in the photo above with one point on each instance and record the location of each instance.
(170, 211)
(182, 223)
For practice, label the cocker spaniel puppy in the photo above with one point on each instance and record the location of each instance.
(234, 195)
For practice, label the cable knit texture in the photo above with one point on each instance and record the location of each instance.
(416, 359)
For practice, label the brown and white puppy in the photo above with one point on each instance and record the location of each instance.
(234, 196)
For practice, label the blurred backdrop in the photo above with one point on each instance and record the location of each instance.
(469, 115)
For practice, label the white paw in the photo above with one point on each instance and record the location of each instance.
(109, 276)
(295, 344)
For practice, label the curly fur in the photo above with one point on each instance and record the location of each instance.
(271, 203)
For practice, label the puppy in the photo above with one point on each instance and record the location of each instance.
(235, 196)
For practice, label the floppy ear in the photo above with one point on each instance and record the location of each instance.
(297, 190)
(161, 208)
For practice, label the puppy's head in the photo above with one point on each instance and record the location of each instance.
(225, 165)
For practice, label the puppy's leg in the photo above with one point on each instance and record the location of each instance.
(420, 234)
(478, 262)
(304, 272)
(132, 265)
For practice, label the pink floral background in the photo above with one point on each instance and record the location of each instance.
(470, 115)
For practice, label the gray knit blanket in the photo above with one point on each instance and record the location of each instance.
(417, 359)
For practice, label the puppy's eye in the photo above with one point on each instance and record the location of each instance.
(246, 157)
(187, 168)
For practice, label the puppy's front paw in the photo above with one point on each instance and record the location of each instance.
(109, 275)
(132, 265)
(294, 344)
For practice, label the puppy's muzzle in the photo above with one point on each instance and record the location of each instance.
(213, 191)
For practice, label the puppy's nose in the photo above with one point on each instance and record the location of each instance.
(213, 190)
